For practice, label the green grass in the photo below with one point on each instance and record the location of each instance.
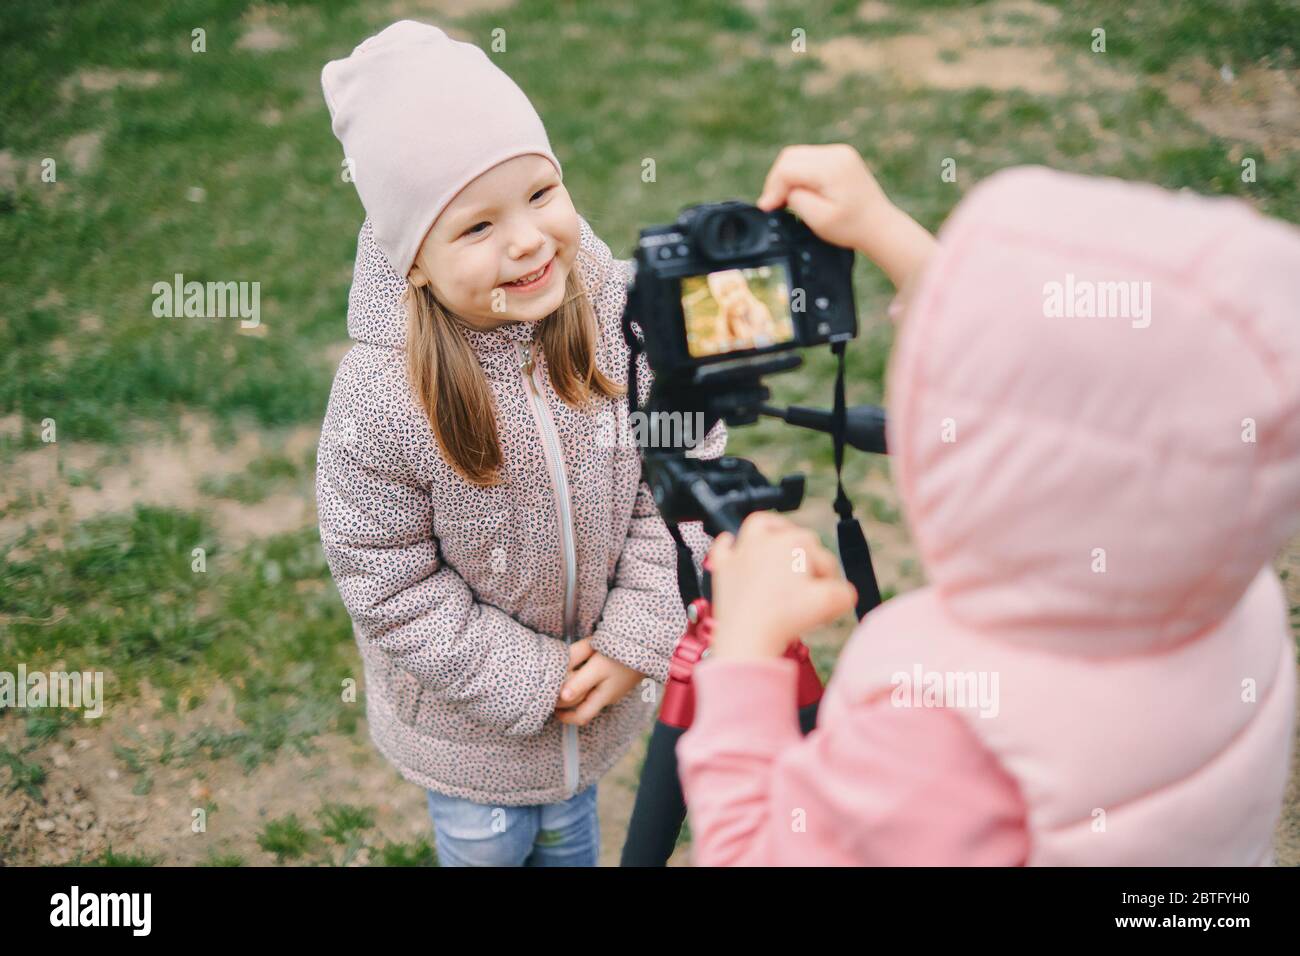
(223, 859)
(25, 775)
(266, 620)
(110, 857)
(343, 832)
(292, 842)
(1154, 36)
(276, 210)
(417, 853)
(286, 838)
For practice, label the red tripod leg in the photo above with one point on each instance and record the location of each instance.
(660, 809)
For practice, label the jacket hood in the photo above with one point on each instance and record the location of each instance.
(1095, 409)
(377, 305)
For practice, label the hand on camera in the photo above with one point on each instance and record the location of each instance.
(771, 583)
(831, 189)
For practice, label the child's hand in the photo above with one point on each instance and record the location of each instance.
(770, 584)
(579, 651)
(597, 683)
(831, 189)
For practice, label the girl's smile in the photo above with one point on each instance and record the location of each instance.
(533, 281)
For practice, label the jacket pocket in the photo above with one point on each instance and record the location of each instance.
(405, 693)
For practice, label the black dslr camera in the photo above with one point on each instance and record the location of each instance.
(722, 297)
(727, 280)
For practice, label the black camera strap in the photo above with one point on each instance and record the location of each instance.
(855, 556)
(689, 584)
(634, 348)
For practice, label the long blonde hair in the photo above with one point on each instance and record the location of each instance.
(454, 392)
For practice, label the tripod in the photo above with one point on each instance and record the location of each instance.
(660, 808)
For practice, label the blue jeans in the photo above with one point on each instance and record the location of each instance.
(546, 834)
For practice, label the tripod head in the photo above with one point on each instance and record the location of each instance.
(718, 492)
(721, 492)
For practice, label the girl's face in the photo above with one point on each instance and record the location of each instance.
(514, 221)
(731, 291)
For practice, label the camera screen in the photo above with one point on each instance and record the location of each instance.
(733, 310)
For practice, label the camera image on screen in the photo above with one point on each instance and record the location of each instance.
(733, 310)
(728, 285)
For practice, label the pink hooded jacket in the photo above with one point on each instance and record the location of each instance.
(461, 596)
(1097, 476)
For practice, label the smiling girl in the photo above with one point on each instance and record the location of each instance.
(512, 585)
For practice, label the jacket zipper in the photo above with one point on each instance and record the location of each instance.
(560, 484)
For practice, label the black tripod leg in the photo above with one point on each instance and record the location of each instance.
(808, 717)
(660, 809)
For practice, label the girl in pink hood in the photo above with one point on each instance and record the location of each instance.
(512, 585)
(1094, 404)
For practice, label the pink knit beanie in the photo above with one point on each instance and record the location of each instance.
(420, 116)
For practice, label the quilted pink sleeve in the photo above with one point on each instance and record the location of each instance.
(881, 786)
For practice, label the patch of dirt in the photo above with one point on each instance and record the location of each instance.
(1257, 105)
(430, 10)
(102, 80)
(165, 472)
(274, 514)
(10, 169)
(261, 32)
(82, 150)
(90, 805)
(995, 45)
(262, 38)
(873, 11)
